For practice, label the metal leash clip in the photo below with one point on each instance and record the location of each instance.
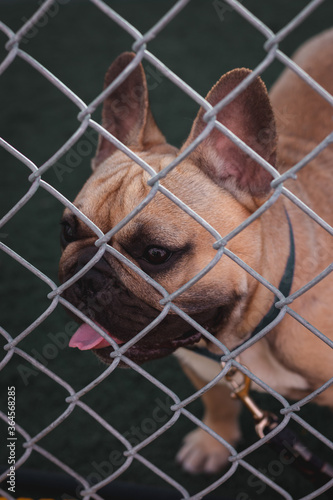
(264, 421)
(304, 460)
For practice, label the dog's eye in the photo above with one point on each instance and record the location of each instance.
(68, 233)
(156, 255)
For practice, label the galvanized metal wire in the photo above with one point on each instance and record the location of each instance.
(35, 176)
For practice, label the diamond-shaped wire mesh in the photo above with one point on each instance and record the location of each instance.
(74, 402)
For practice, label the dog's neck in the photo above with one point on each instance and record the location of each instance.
(284, 288)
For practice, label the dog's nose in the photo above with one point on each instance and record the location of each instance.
(85, 257)
(93, 279)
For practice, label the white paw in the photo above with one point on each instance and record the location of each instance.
(201, 453)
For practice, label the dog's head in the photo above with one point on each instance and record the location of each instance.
(218, 181)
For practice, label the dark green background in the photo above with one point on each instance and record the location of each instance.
(77, 45)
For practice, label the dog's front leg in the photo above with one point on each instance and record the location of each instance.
(202, 453)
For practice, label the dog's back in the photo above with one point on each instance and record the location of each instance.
(300, 111)
(304, 119)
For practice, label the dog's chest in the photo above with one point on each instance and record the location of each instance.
(258, 360)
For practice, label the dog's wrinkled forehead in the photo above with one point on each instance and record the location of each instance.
(117, 186)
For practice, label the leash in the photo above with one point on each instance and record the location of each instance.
(286, 441)
(309, 464)
(313, 467)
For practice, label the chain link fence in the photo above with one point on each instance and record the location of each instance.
(85, 124)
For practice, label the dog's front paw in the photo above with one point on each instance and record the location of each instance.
(201, 453)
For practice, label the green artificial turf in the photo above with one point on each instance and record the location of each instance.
(77, 43)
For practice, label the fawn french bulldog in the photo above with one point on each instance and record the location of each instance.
(224, 186)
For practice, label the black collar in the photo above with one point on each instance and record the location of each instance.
(284, 288)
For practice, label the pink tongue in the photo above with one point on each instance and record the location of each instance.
(86, 338)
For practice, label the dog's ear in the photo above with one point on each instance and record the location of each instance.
(126, 113)
(250, 117)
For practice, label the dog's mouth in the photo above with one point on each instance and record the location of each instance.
(87, 338)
